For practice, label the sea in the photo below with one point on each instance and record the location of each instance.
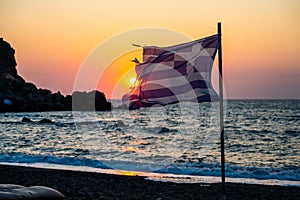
(178, 142)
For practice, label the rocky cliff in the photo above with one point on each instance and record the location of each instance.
(17, 95)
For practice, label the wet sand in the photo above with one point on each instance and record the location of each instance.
(87, 185)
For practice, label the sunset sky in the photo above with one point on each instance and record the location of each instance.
(54, 38)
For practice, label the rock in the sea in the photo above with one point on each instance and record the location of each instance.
(42, 121)
(26, 97)
(45, 121)
(90, 101)
(25, 119)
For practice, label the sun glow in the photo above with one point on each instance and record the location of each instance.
(132, 81)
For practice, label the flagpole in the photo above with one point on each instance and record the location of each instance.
(221, 111)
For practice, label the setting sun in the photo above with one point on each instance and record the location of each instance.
(132, 81)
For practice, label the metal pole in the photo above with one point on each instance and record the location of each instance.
(221, 111)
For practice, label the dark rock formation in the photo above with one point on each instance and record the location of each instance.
(87, 101)
(26, 97)
(25, 119)
(42, 121)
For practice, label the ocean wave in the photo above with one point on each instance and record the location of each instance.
(233, 171)
(72, 161)
(196, 169)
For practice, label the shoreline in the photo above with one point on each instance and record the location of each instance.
(90, 185)
(160, 177)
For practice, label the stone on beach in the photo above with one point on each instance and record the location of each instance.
(12, 192)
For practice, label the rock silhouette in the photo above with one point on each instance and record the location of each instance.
(42, 121)
(26, 97)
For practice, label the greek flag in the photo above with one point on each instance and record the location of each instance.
(174, 74)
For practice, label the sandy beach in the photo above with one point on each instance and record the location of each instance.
(87, 185)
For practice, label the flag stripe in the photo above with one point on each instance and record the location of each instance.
(166, 73)
(175, 82)
(165, 70)
(210, 42)
(180, 80)
(163, 58)
(187, 96)
(153, 90)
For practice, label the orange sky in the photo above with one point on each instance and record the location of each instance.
(54, 38)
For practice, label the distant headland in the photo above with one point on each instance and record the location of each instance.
(17, 95)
